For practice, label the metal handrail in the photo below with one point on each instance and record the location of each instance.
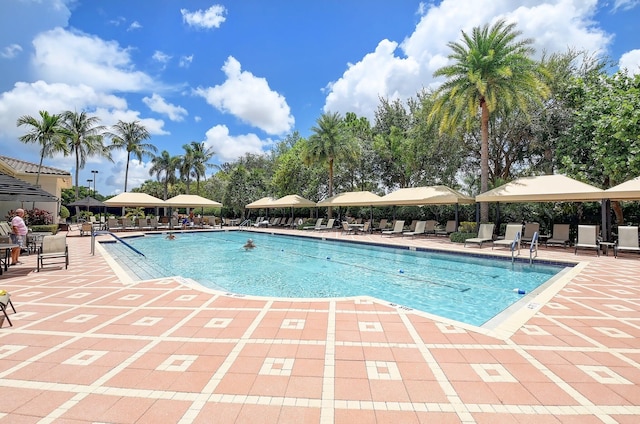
(245, 224)
(534, 247)
(93, 242)
(515, 243)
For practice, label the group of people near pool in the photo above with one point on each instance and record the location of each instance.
(247, 246)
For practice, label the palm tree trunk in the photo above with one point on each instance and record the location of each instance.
(330, 210)
(77, 173)
(484, 159)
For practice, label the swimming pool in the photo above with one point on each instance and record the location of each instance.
(455, 286)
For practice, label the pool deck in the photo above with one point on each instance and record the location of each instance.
(90, 345)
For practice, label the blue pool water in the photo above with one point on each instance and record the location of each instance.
(460, 287)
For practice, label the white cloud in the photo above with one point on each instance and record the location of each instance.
(249, 98)
(11, 51)
(185, 61)
(115, 172)
(213, 17)
(75, 58)
(134, 25)
(631, 62)
(229, 148)
(158, 104)
(161, 57)
(625, 4)
(400, 71)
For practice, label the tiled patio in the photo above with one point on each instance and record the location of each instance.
(89, 345)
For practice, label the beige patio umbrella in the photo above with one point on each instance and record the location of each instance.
(629, 190)
(351, 198)
(292, 201)
(419, 196)
(134, 200)
(543, 188)
(191, 201)
(263, 203)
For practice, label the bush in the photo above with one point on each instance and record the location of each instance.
(52, 228)
(64, 213)
(461, 237)
(33, 217)
(467, 227)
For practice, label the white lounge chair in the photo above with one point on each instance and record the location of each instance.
(317, 226)
(560, 235)
(587, 238)
(329, 225)
(512, 234)
(627, 240)
(397, 229)
(485, 234)
(418, 231)
(449, 228)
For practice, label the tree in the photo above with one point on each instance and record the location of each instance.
(47, 132)
(185, 166)
(164, 168)
(491, 69)
(130, 136)
(327, 144)
(201, 157)
(84, 139)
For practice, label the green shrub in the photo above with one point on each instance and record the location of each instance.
(461, 237)
(64, 212)
(467, 227)
(51, 228)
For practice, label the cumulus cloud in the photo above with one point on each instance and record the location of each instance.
(134, 25)
(74, 58)
(159, 105)
(185, 61)
(11, 51)
(229, 147)
(625, 4)
(401, 69)
(631, 62)
(250, 99)
(213, 17)
(161, 57)
(114, 174)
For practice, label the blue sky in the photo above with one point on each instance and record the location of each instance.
(241, 75)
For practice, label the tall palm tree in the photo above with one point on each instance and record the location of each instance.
(328, 143)
(186, 165)
(491, 69)
(201, 157)
(84, 138)
(130, 136)
(47, 132)
(164, 168)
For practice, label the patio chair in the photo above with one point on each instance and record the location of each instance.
(5, 301)
(560, 235)
(397, 229)
(627, 240)
(530, 228)
(512, 234)
(382, 225)
(417, 231)
(317, 226)
(329, 225)
(364, 229)
(113, 225)
(54, 250)
(346, 229)
(86, 228)
(485, 234)
(430, 227)
(587, 238)
(448, 229)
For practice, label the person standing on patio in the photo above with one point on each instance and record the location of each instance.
(18, 236)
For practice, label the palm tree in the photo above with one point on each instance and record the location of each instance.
(164, 167)
(491, 70)
(130, 136)
(201, 157)
(47, 132)
(186, 165)
(328, 143)
(84, 139)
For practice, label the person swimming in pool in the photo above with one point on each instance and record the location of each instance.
(249, 245)
(171, 236)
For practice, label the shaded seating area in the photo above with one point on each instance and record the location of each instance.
(627, 240)
(485, 234)
(587, 238)
(53, 251)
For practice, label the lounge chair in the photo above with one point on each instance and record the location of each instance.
(512, 234)
(329, 225)
(418, 230)
(560, 235)
(364, 229)
(627, 240)
(317, 226)
(113, 225)
(449, 228)
(430, 227)
(54, 250)
(587, 238)
(530, 228)
(485, 234)
(382, 225)
(397, 229)
(127, 224)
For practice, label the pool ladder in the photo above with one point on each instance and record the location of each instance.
(515, 245)
(245, 224)
(533, 249)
